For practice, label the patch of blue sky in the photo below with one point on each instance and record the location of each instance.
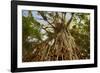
(68, 16)
(38, 17)
(25, 13)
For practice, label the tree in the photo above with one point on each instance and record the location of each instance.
(61, 42)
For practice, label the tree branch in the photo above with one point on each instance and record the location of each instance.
(45, 18)
(68, 23)
(47, 31)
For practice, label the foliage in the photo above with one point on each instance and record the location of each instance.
(81, 32)
(30, 30)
